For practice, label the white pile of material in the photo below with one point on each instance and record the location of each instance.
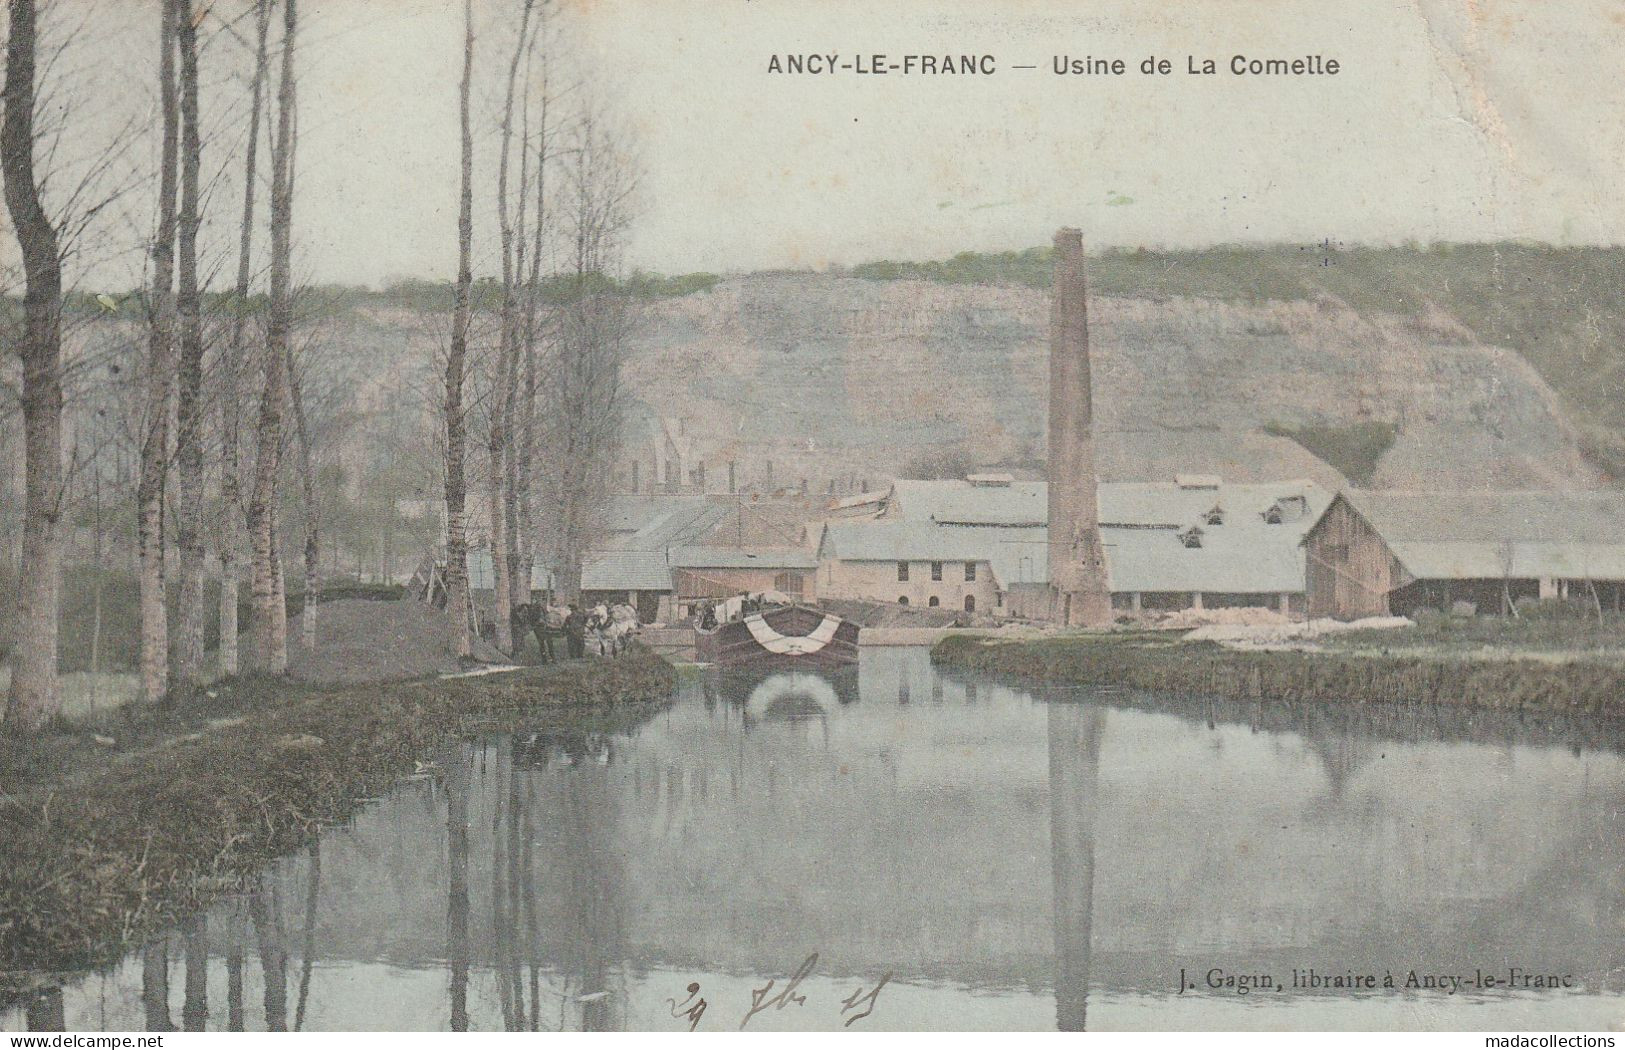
(1243, 636)
(1240, 616)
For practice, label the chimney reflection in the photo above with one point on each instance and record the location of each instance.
(1074, 760)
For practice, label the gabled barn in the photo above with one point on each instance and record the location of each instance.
(1373, 553)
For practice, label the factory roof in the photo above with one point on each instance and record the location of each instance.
(1487, 535)
(1199, 535)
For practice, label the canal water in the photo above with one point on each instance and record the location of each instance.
(902, 848)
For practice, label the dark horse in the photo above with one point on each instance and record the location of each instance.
(531, 618)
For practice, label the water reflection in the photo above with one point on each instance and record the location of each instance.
(1074, 760)
(454, 766)
(1012, 861)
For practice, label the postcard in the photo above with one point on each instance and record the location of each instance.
(748, 515)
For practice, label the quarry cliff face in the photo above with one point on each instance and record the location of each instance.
(827, 375)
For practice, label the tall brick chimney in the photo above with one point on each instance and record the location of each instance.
(1077, 563)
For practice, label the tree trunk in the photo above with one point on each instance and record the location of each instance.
(496, 506)
(160, 377)
(231, 366)
(266, 915)
(456, 430)
(155, 985)
(307, 477)
(524, 523)
(455, 774)
(279, 589)
(34, 698)
(270, 613)
(504, 462)
(195, 937)
(188, 664)
(524, 483)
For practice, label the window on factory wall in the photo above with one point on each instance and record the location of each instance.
(934, 602)
(902, 572)
(970, 571)
(902, 599)
(970, 603)
(788, 582)
(936, 570)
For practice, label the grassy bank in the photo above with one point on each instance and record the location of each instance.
(103, 844)
(1154, 662)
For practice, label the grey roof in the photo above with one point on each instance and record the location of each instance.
(632, 543)
(1121, 503)
(601, 571)
(1252, 558)
(961, 503)
(1169, 504)
(1249, 558)
(625, 571)
(1140, 527)
(743, 558)
(657, 522)
(1570, 517)
(860, 499)
(902, 541)
(482, 576)
(1485, 535)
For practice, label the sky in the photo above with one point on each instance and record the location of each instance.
(1449, 120)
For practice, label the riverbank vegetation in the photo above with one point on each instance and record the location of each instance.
(108, 833)
(1376, 669)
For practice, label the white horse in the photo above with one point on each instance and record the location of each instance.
(612, 628)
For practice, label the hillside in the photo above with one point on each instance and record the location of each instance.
(1398, 389)
(1467, 366)
(1561, 309)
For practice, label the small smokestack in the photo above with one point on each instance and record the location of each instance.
(1077, 564)
(732, 483)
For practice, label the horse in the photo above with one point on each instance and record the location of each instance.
(612, 628)
(543, 621)
(623, 626)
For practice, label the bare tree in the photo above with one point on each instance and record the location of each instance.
(456, 360)
(584, 418)
(502, 458)
(270, 629)
(188, 662)
(160, 386)
(307, 477)
(231, 365)
(531, 335)
(34, 698)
